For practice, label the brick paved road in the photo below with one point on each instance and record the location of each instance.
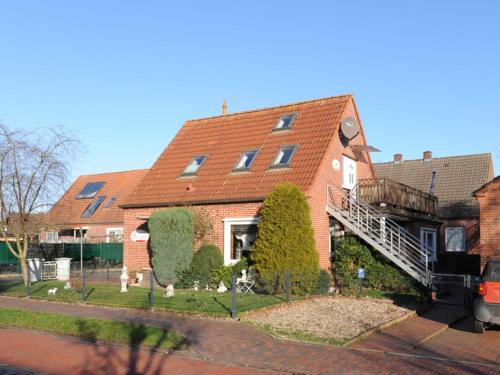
(237, 344)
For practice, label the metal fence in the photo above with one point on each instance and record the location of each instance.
(453, 289)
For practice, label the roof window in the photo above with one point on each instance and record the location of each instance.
(285, 122)
(90, 190)
(194, 165)
(245, 161)
(284, 156)
(91, 209)
(111, 202)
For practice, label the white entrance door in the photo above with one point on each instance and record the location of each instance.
(349, 178)
(429, 238)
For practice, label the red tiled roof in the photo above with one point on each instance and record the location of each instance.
(69, 210)
(224, 138)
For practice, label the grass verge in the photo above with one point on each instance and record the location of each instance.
(302, 336)
(92, 329)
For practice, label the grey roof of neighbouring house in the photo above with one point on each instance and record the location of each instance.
(457, 177)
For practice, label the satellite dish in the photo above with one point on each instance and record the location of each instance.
(349, 128)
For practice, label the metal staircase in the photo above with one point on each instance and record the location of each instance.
(383, 234)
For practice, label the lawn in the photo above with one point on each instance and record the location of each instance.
(201, 302)
(92, 329)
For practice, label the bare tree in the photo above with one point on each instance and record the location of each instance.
(34, 170)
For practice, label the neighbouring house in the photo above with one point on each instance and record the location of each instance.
(456, 232)
(488, 197)
(33, 227)
(91, 206)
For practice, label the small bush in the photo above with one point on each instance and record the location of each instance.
(207, 259)
(225, 273)
(379, 273)
(172, 235)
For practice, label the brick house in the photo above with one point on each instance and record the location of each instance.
(92, 203)
(224, 166)
(488, 197)
(452, 180)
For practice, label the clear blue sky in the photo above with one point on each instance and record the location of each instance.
(125, 75)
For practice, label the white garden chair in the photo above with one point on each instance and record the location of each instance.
(245, 283)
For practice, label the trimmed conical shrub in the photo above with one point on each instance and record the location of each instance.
(171, 235)
(285, 241)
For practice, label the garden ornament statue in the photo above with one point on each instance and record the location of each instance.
(124, 279)
(222, 288)
(169, 291)
(196, 285)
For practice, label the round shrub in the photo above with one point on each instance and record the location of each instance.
(207, 259)
(285, 241)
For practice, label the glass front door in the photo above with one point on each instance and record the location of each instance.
(429, 238)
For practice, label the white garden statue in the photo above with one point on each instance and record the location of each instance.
(169, 291)
(222, 288)
(124, 279)
(196, 285)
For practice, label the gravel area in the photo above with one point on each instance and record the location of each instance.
(341, 318)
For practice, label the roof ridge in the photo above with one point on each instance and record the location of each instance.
(441, 157)
(268, 108)
(116, 172)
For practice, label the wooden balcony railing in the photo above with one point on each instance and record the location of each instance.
(396, 195)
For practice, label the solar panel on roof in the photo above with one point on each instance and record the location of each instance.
(90, 190)
(91, 209)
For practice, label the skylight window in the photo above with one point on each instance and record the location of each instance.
(285, 122)
(245, 161)
(111, 201)
(91, 209)
(284, 156)
(90, 190)
(194, 165)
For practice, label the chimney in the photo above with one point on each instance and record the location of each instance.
(398, 159)
(224, 107)
(427, 155)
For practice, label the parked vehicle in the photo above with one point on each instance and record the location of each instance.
(487, 304)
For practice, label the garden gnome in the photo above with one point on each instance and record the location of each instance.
(169, 292)
(222, 288)
(124, 279)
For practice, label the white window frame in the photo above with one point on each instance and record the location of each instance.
(463, 239)
(54, 236)
(434, 245)
(228, 222)
(349, 180)
(109, 230)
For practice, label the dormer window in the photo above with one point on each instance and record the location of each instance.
(90, 190)
(284, 122)
(284, 156)
(245, 161)
(194, 165)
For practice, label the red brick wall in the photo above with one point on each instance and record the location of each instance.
(327, 176)
(136, 255)
(489, 206)
(471, 226)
